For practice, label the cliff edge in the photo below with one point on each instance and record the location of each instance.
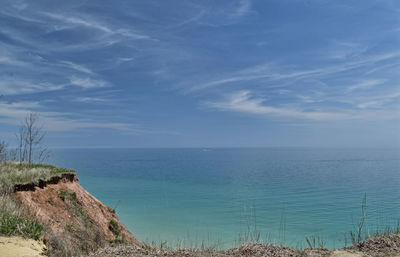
(75, 221)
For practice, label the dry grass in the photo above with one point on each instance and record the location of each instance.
(7, 203)
(24, 173)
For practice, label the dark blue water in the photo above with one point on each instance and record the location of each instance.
(189, 196)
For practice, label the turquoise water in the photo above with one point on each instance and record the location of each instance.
(187, 196)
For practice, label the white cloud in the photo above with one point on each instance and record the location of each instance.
(89, 99)
(90, 23)
(9, 61)
(77, 67)
(122, 60)
(79, 21)
(14, 86)
(369, 104)
(308, 99)
(14, 113)
(274, 73)
(130, 34)
(243, 101)
(365, 84)
(341, 50)
(87, 82)
(244, 7)
(64, 124)
(376, 101)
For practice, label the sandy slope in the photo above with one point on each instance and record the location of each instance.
(20, 247)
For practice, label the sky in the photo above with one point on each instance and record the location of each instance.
(226, 73)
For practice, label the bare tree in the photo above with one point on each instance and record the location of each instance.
(44, 154)
(12, 155)
(21, 141)
(3, 151)
(34, 134)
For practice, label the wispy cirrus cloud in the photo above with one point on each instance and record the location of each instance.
(87, 82)
(16, 86)
(267, 60)
(215, 16)
(342, 50)
(338, 90)
(14, 113)
(267, 71)
(77, 67)
(246, 102)
(365, 84)
(39, 73)
(78, 21)
(91, 23)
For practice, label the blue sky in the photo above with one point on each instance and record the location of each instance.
(234, 73)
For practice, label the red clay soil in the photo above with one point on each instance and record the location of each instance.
(69, 212)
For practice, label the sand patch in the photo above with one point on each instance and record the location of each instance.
(341, 253)
(21, 247)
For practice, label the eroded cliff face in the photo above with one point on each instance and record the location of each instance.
(75, 221)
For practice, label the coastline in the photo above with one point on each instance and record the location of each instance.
(190, 195)
(78, 224)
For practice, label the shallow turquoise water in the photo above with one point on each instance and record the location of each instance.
(213, 195)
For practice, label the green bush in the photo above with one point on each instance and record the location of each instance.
(114, 227)
(13, 224)
(63, 194)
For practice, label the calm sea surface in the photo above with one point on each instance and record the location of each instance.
(216, 196)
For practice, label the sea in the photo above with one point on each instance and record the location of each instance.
(223, 197)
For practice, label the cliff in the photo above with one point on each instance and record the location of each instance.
(75, 221)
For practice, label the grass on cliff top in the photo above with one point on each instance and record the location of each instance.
(16, 173)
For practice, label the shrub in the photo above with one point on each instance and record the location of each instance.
(114, 227)
(14, 224)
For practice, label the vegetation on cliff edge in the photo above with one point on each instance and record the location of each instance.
(13, 220)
